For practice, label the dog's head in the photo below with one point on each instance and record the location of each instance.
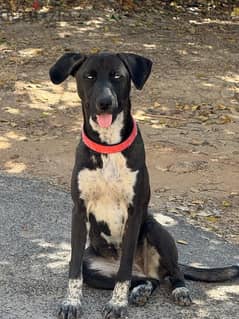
(103, 81)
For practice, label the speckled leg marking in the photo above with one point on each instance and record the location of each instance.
(71, 306)
(117, 306)
(181, 296)
(140, 294)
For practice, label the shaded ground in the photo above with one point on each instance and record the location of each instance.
(34, 246)
(188, 110)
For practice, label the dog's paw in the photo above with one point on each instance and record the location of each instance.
(68, 310)
(113, 311)
(141, 294)
(181, 296)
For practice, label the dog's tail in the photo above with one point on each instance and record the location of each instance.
(210, 274)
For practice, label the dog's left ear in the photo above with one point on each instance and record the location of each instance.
(66, 65)
(138, 67)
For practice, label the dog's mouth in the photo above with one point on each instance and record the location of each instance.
(104, 120)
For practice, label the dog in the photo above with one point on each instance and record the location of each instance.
(115, 243)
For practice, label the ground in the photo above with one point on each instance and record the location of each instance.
(35, 251)
(188, 111)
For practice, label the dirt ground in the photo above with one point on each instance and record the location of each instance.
(188, 111)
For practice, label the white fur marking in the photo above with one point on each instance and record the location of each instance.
(109, 267)
(74, 292)
(108, 191)
(106, 237)
(87, 235)
(110, 135)
(181, 296)
(106, 267)
(141, 293)
(180, 291)
(147, 286)
(93, 158)
(120, 294)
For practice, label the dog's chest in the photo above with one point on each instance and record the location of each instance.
(107, 193)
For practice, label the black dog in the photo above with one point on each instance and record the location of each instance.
(128, 250)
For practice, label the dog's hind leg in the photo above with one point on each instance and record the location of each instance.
(162, 259)
(99, 272)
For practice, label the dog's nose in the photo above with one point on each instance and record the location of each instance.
(104, 103)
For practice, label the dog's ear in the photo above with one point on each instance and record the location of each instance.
(138, 67)
(66, 65)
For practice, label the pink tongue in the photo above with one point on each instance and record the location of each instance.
(104, 120)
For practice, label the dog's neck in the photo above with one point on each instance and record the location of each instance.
(119, 130)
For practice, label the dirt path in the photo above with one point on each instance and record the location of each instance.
(188, 111)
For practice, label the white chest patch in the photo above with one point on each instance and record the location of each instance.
(107, 193)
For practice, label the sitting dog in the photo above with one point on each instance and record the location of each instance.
(127, 249)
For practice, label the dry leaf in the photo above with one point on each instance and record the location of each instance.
(222, 107)
(224, 119)
(195, 107)
(196, 142)
(194, 190)
(94, 50)
(235, 12)
(212, 219)
(226, 203)
(202, 118)
(156, 104)
(193, 214)
(182, 242)
(45, 114)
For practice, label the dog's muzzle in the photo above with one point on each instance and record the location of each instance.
(105, 104)
(106, 101)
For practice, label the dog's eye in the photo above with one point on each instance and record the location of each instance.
(115, 75)
(90, 76)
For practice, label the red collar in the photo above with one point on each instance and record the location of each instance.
(109, 149)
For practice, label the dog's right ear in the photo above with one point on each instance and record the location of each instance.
(66, 65)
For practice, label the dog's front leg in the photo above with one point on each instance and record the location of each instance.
(117, 306)
(71, 306)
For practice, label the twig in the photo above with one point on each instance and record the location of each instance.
(166, 116)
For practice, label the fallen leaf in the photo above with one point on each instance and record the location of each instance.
(226, 203)
(235, 12)
(198, 202)
(182, 242)
(234, 194)
(194, 190)
(45, 114)
(204, 213)
(193, 214)
(212, 219)
(13, 124)
(202, 118)
(196, 142)
(222, 107)
(94, 50)
(224, 119)
(195, 107)
(156, 104)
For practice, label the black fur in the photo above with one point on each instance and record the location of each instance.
(104, 83)
(65, 66)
